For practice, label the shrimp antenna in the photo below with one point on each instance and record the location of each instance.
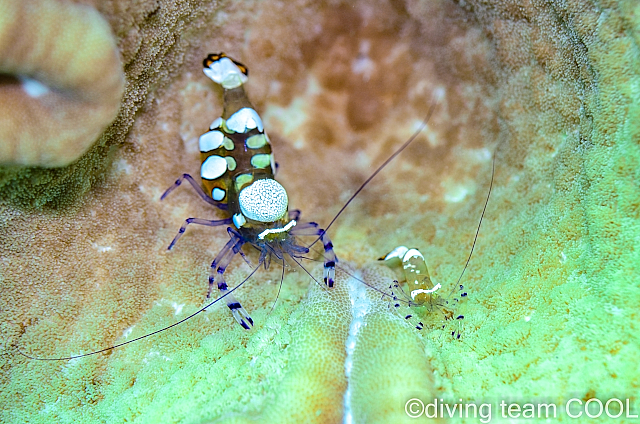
(371, 286)
(406, 144)
(322, 286)
(484, 209)
(146, 335)
(279, 288)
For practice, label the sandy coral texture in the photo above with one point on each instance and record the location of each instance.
(68, 85)
(554, 295)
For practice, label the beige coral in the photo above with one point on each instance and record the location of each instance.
(68, 86)
(153, 54)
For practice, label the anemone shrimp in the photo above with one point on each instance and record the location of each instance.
(238, 175)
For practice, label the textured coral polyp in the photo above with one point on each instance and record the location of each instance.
(386, 344)
(315, 373)
(68, 81)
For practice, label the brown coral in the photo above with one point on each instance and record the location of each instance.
(153, 38)
(69, 81)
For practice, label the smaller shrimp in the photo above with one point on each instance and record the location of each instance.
(415, 275)
(422, 291)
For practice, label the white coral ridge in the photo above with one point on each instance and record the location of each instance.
(225, 73)
(265, 201)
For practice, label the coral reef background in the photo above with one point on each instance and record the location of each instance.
(67, 83)
(553, 284)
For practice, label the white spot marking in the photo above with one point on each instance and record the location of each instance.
(414, 293)
(127, 332)
(213, 167)
(218, 194)
(225, 73)
(284, 229)
(265, 200)
(563, 258)
(210, 141)
(398, 252)
(239, 220)
(216, 124)
(244, 120)
(412, 253)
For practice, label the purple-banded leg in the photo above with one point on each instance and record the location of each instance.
(197, 188)
(395, 287)
(233, 233)
(198, 221)
(330, 259)
(216, 274)
(294, 214)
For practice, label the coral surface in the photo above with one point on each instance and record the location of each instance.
(68, 84)
(553, 289)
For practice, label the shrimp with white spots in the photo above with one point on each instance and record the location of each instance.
(237, 172)
(422, 292)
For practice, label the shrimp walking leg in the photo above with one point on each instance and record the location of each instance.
(196, 187)
(330, 259)
(216, 275)
(198, 221)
